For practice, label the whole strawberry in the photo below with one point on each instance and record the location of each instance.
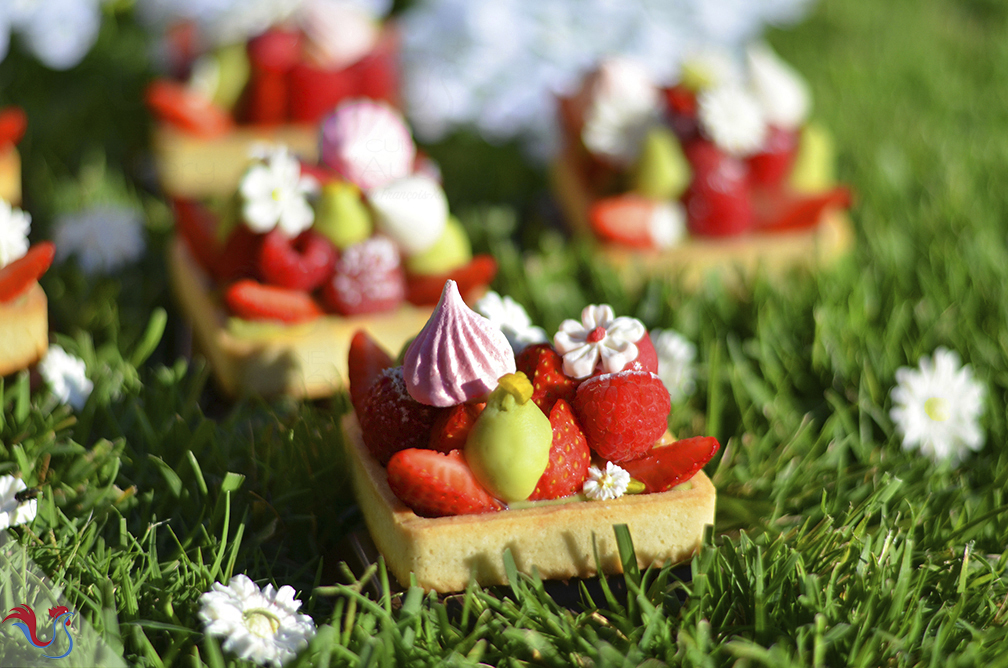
(622, 414)
(569, 456)
(717, 201)
(392, 420)
(544, 368)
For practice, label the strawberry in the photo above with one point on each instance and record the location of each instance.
(773, 163)
(366, 360)
(368, 278)
(665, 467)
(377, 72)
(781, 211)
(174, 103)
(623, 219)
(682, 112)
(647, 356)
(18, 275)
(569, 456)
(622, 414)
(544, 367)
(251, 300)
(392, 420)
(198, 228)
(426, 290)
(717, 201)
(453, 425)
(316, 90)
(435, 484)
(240, 256)
(272, 55)
(302, 263)
(13, 123)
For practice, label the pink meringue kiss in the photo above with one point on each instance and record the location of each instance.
(368, 143)
(458, 356)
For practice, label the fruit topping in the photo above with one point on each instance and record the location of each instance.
(425, 290)
(198, 227)
(412, 210)
(186, 109)
(509, 445)
(780, 212)
(240, 256)
(368, 278)
(366, 361)
(717, 201)
(458, 356)
(622, 414)
(815, 163)
(13, 123)
(368, 143)
(647, 356)
(665, 466)
(771, 166)
(18, 275)
(392, 420)
(451, 251)
(302, 263)
(433, 484)
(252, 300)
(544, 368)
(274, 194)
(600, 341)
(510, 317)
(638, 221)
(452, 427)
(569, 456)
(662, 171)
(342, 215)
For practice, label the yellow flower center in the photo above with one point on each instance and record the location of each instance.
(260, 622)
(276, 194)
(937, 409)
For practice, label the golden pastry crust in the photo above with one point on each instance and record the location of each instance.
(10, 175)
(556, 540)
(24, 330)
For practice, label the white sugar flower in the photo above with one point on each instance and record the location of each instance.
(676, 355)
(599, 339)
(510, 317)
(263, 626)
(12, 511)
(15, 225)
(781, 91)
(611, 483)
(625, 103)
(66, 376)
(733, 119)
(937, 407)
(103, 238)
(274, 193)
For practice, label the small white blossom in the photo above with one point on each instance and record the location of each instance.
(676, 355)
(510, 317)
(66, 376)
(937, 407)
(15, 225)
(275, 193)
(625, 104)
(12, 511)
(257, 625)
(732, 118)
(611, 483)
(103, 238)
(599, 339)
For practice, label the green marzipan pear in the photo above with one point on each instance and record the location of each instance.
(451, 251)
(342, 216)
(662, 170)
(815, 165)
(233, 64)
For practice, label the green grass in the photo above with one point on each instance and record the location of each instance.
(832, 546)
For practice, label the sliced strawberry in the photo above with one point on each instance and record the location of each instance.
(174, 103)
(682, 112)
(622, 414)
(773, 163)
(302, 263)
(717, 201)
(368, 278)
(665, 467)
(251, 300)
(426, 290)
(18, 276)
(453, 425)
(569, 456)
(435, 484)
(198, 228)
(392, 420)
(623, 219)
(13, 123)
(779, 211)
(544, 367)
(240, 256)
(366, 360)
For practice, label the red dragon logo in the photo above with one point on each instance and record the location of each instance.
(60, 616)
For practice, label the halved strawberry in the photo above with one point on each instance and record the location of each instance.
(569, 456)
(668, 465)
(622, 414)
(366, 360)
(623, 219)
(773, 163)
(302, 263)
(13, 123)
(717, 201)
(544, 367)
(174, 103)
(252, 300)
(392, 420)
(426, 290)
(17, 276)
(435, 484)
(198, 228)
(453, 425)
(780, 211)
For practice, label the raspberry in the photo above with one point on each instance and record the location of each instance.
(369, 278)
(622, 414)
(392, 420)
(301, 263)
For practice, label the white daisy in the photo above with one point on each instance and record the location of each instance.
(510, 317)
(733, 119)
(66, 376)
(611, 483)
(15, 225)
(12, 511)
(263, 626)
(274, 193)
(103, 238)
(676, 355)
(599, 339)
(937, 407)
(625, 103)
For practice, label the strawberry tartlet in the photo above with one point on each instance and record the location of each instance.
(722, 170)
(275, 87)
(482, 441)
(276, 279)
